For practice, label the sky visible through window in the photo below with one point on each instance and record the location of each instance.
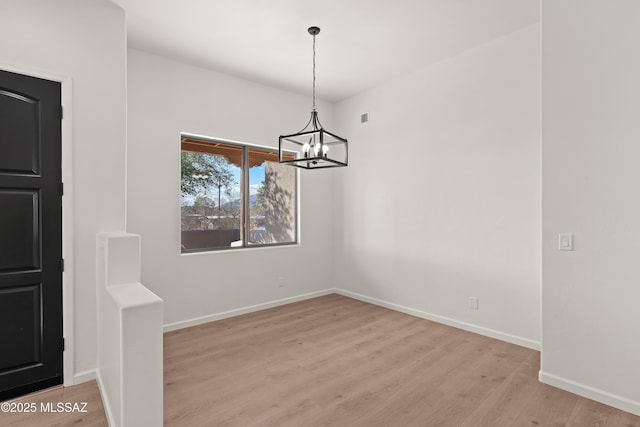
(256, 178)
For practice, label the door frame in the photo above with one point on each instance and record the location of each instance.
(68, 356)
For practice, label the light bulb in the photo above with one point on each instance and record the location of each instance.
(305, 149)
(325, 149)
(316, 149)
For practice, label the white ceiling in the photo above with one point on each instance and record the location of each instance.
(362, 43)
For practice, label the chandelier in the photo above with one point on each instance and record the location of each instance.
(313, 147)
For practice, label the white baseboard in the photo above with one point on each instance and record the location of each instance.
(513, 339)
(243, 310)
(105, 401)
(90, 375)
(84, 376)
(592, 393)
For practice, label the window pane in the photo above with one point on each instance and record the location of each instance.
(272, 203)
(211, 208)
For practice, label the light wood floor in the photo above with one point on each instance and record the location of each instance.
(86, 392)
(335, 361)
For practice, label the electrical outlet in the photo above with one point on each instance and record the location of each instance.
(281, 282)
(473, 303)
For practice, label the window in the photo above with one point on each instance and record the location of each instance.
(235, 196)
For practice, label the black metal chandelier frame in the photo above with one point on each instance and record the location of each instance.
(313, 147)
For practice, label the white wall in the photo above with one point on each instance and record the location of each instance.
(166, 98)
(84, 43)
(590, 152)
(441, 198)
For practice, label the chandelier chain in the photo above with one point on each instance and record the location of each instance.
(314, 72)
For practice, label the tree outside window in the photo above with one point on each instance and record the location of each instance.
(220, 193)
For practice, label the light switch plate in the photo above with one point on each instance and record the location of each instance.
(565, 242)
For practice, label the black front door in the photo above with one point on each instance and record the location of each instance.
(30, 235)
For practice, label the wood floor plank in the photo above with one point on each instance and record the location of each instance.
(594, 414)
(46, 400)
(335, 361)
